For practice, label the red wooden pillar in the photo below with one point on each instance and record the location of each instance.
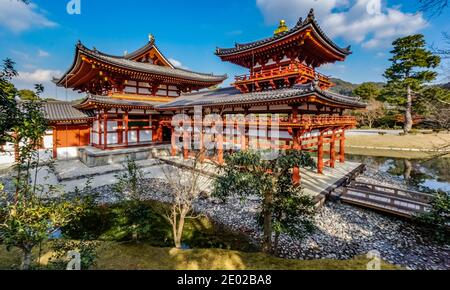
(185, 145)
(243, 133)
(333, 149)
(105, 128)
(55, 145)
(294, 114)
(100, 130)
(320, 154)
(125, 120)
(220, 148)
(342, 147)
(173, 142)
(202, 145)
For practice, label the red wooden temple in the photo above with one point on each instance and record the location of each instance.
(131, 99)
(122, 92)
(283, 80)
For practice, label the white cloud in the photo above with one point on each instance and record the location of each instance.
(370, 23)
(18, 17)
(27, 80)
(38, 76)
(177, 63)
(43, 53)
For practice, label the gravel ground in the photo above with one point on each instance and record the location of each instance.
(343, 231)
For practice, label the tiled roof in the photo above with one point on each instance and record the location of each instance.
(151, 68)
(301, 25)
(231, 96)
(106, 100)
(63, 111)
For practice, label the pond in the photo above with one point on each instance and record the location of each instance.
(433, 174)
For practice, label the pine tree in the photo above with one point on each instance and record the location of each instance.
(410, 70)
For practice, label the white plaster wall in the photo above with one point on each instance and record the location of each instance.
(48, 141)
(67, 153)
(6, 157)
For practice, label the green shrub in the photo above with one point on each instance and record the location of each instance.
(437, 220)
(61, 248)
(115, 223)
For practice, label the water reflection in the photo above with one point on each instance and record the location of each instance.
(424, 174)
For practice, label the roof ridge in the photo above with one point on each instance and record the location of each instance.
(301, 24)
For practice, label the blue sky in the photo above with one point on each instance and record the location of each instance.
(41, 38)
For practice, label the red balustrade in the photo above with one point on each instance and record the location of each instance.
(294, 69)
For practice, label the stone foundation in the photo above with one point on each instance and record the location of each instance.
(93, 157)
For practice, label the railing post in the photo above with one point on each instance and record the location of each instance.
(320, 154)
(342, 147)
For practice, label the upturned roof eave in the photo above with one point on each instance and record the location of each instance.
(310, 21)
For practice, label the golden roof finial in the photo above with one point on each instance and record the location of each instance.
(151, 38)
(281, 28)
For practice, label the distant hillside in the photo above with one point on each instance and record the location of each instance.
(343, 87)
(347, 88)
(446, 86)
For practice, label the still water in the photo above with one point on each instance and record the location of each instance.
(431, 174)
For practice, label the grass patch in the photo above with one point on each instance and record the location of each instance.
(417, 141)
(113, 223)
(391, 153)
(141, 256)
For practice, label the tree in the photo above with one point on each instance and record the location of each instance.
(367, 91)
(27, 218)
(131, 191)
(437, 219)
(29, 221)
(434, 105)
(409, 71)
(434, 7)
(185, 187)
(8, 104)
(284, 208)
(27, 95)
(373, 112)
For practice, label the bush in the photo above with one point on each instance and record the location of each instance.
(61, 248)
(114, 223)
(437, 221)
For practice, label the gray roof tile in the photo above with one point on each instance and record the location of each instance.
(229, 96)
(63, 111)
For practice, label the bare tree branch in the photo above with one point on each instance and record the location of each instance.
(433, 7)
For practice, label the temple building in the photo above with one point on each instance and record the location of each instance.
(121, 95)
(131, 100)
(282, 79)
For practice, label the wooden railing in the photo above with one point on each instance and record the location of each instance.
(302, 122)
(393, 200)
(280, 72)
(311, 121)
